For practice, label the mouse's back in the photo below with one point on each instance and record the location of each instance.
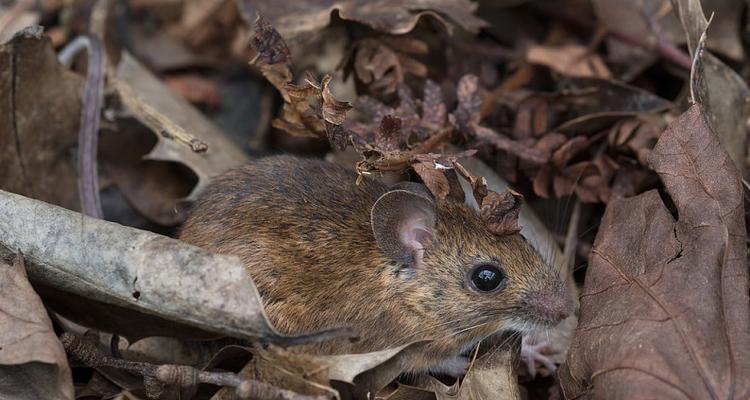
(299, 225)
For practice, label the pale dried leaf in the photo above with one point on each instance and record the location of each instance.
(32, 361)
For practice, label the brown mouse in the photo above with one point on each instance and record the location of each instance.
(393, 263)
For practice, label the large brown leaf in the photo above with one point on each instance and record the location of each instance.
(32, 360)
(39, 116)
(664, 308)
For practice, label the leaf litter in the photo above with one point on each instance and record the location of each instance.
(616, 130)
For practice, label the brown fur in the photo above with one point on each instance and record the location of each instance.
(302, 227)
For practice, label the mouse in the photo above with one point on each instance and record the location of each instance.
(326, 249)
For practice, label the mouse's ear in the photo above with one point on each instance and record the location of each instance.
(403, 222)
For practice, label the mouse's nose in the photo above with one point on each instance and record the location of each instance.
(550, 308)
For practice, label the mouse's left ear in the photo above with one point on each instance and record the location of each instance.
(403, 222)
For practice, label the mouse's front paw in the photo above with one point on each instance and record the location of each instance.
(453, 366)
(536, 354)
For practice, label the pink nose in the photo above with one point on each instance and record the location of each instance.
(550, 308)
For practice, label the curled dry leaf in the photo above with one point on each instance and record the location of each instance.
(129, 281)
(39, 115)
(272, 55)
(391, 16)
(500, 211)
(32, 360)
(664, 308)
(310, 109)
(383, 63)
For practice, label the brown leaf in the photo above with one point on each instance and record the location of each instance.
(334, 111)
(32, 361)
(434, 111)
(550, 142)
(569, 60)
(424, 128)
(500, 211)
(567, 151)
(269, 44)
(542, 181)
(273, 57)
(478, 184)
(391, 16)
(531, 118)
(434, 179)
(311, 110)
(382, 63)
(390, 136)
(39, 115)
(664, 308)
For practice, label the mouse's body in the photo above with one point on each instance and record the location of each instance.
(323, 254)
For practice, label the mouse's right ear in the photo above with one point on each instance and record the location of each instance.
(403, 222)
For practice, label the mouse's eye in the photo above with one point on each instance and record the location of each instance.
(486, 277)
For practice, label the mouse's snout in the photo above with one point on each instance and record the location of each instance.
(548, 308)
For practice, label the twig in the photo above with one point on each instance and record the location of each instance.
(404, 159)
(664, 48)
(161, 378)
(88, 133)
(697, 56)
(155, 120)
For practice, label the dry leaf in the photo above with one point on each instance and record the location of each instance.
(570, 60)
(389, 138)
(396, 17)
(32, 361)
(382, 63)
(40, 114)
(664, 308)
(500, 211)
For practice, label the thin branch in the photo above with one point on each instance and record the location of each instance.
(160, 378)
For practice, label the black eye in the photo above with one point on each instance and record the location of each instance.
(487, 277)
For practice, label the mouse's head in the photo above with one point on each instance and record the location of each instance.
(458, 270)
